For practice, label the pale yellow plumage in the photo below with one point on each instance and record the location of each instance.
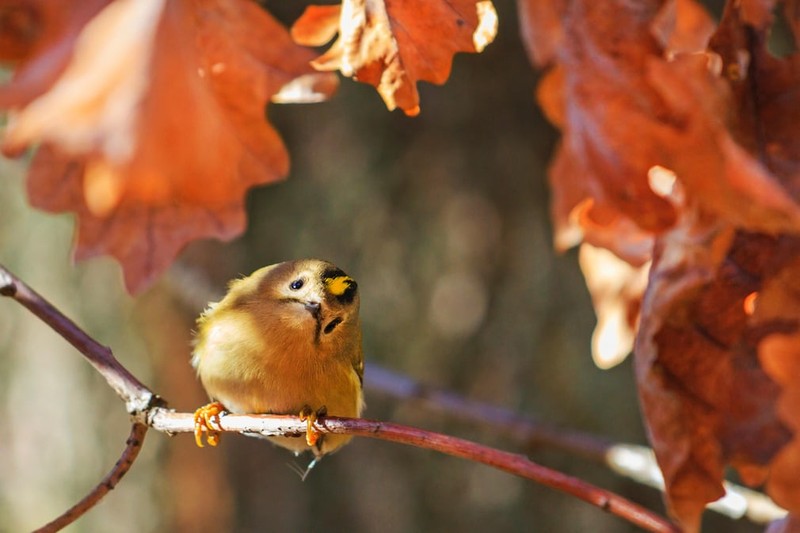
(285, 339)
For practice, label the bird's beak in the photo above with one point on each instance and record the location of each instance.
(313, 308)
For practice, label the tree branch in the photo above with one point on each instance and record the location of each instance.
(630, 460)
(132, 448)
(292, 426)
(136, 396)
(524, 429)
(147, 409)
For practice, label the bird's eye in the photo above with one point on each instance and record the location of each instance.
(332, 324)
(296, 284)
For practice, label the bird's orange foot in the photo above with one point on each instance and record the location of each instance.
(207, 419)
(309, 416)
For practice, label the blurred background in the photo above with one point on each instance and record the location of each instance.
(443, 220)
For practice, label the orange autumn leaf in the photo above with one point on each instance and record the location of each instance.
(589, 91)
(616, 287)
(708, 399)
(627, 103)
(682, 27)
(37, 38)
(779, 301)
(747, 193)
(151, 124)
(746, 137)
(654, 89)
(393, 44)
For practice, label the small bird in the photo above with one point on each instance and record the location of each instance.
(284, 340)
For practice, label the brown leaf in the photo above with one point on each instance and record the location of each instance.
(779, 301)
(744, 192)
(317, 25)
(600, 96)
(580, 214)
(635, 101)
(682, 26)
(706, 397)
(155, 129)
(737, 156)
(38, 36)
(542, 25)
(616, 288)
(676, 135)
(393, 44)
(18, 27)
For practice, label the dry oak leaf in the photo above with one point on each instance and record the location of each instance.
(682, 27)
(628, 96)
(616, 288)
(703, 144)
(708, 397)
(614, 257)
(634, 89)
(37, 37)
(739, 159)
(735, 111)
(393, 44)
(152, 125)
(779, 301)
(596, 91)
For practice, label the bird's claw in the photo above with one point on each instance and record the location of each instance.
(206, 419)
(310, 417)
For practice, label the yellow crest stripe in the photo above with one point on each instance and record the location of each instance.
(338, 285)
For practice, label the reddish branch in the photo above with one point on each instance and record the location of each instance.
(522, 428)
(132, 448)
(630, 460)
(136, 396)
(148, 410)
(270, 425)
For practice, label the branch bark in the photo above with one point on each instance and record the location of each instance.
(137, 396)
(630, 460)
(148, 410)
(132, 448)
(272, 426)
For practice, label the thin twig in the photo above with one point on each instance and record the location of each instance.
(630, 460)
(132, 448)
(524, 429)
(137, 397)
(271, 425)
